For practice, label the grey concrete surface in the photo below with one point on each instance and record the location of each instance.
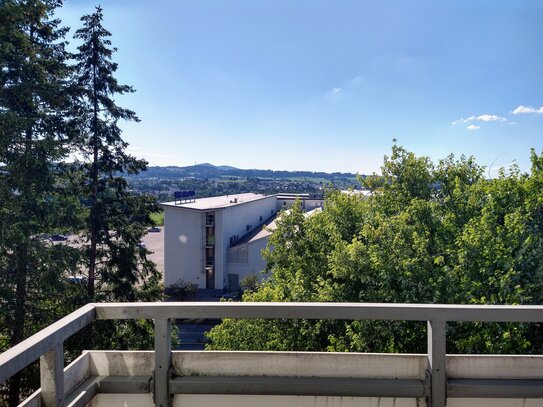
(154, 241)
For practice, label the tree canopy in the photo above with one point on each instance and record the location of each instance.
(54, 108)
(115, 219)
(429, 233)
(35, 189)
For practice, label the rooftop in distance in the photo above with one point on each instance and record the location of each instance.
(268, 227)
(216, 202)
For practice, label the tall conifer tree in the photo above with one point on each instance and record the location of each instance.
(117, 264)
(34, 195)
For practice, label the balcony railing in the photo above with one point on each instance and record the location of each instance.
(435, 387)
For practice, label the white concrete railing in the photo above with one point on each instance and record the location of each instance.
(48, 343)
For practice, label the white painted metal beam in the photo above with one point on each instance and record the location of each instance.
(340, 311)
(20, 356)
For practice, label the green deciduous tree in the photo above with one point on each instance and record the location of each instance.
(429, 233)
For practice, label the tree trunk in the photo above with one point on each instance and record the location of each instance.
(21, 269)
(94, 183)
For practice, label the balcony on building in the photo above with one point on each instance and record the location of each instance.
(210, 219)
(162, 377)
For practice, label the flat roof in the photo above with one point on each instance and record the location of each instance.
(313, 195)
(261, 231)
(265, 229)
(217, 202)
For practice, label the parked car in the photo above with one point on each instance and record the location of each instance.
(154, 229)
(59, 238)
(77, 279)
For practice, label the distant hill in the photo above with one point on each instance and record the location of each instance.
(207, 170)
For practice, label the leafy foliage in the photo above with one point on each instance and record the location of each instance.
(181, 290)
(429, 233)
(249, 282)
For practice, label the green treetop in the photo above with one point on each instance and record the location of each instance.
(117, 265)
(35, 194)
(429, 233)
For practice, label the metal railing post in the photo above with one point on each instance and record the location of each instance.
(52, 377)
(163, 348)
(437, 340)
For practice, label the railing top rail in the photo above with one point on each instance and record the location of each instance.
(300, 310)
(21, 355)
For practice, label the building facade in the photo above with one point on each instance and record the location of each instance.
(198, 234)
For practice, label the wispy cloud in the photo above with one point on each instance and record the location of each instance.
(348, 87)
(145, 153)
(527, 109)
(481, 118)
(464, 121)
(357, 81)
(334, 94)
(473, 127)
(491, 118)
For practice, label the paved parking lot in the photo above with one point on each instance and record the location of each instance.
(154, 241)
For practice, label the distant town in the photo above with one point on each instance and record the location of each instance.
(210, 180)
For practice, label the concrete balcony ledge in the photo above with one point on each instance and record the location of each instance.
(164, 378)
(106, 378)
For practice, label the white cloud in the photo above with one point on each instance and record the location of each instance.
(527, 109)
(481, 118)
(491, 118)
(473, 127)
(357, 81)
(463, 121)
(334, 94)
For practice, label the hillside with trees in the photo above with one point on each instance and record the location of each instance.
(210, 180)
(207, 170)
(430, 233)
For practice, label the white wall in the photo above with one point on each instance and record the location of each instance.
(307, 204)
(233, 221)
(224, 400)
(183, 246)
(255, 263)
(310, 204)
(185, 233)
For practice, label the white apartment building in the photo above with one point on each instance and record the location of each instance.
(309, 201)
(198, 234)
(245, 256)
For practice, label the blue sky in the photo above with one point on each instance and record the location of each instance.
(327, 85)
